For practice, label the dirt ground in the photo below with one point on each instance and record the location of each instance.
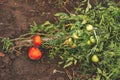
(16, 16)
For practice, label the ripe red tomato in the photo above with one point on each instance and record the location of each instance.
(34, 53)
(37, 40)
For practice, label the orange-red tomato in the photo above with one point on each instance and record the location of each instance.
(37, 40)
(34, 53)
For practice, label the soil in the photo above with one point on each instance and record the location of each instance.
(16, 16)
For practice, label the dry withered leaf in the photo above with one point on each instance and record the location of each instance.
(2, 54)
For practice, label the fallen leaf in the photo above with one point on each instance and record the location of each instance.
(2, 54)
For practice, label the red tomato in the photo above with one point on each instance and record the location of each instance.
(34, 53)
(37, 40)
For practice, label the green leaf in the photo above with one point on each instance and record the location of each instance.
(62, 15)
(101, 46)
(49, 28)
(6, 44)
(75, 62)
(60, 62)
(88, 6)
(68, 64)
(47, 23)
(99, 71)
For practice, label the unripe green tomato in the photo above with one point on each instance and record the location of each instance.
(89, 42)
(68, 41)
(74, 35)
(97, 50)
(89, 27)
(73, 46)
(95, 58)
(92, 39)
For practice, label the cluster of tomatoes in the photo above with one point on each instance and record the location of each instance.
(34, 52)
(92, 40)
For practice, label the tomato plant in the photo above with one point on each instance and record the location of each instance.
(97, 27)
(77, 38)
(92, 39)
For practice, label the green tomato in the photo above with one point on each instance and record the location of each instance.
(68, 41)
(75, 36)
(97, 50)
(89, 27)
(95, 58)
(92, 39)
(89, 42)
(73, 46)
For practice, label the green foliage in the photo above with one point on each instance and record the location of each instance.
(47, 28)
(73, 44)
(6, 44)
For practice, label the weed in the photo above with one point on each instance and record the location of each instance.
(6, 44)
